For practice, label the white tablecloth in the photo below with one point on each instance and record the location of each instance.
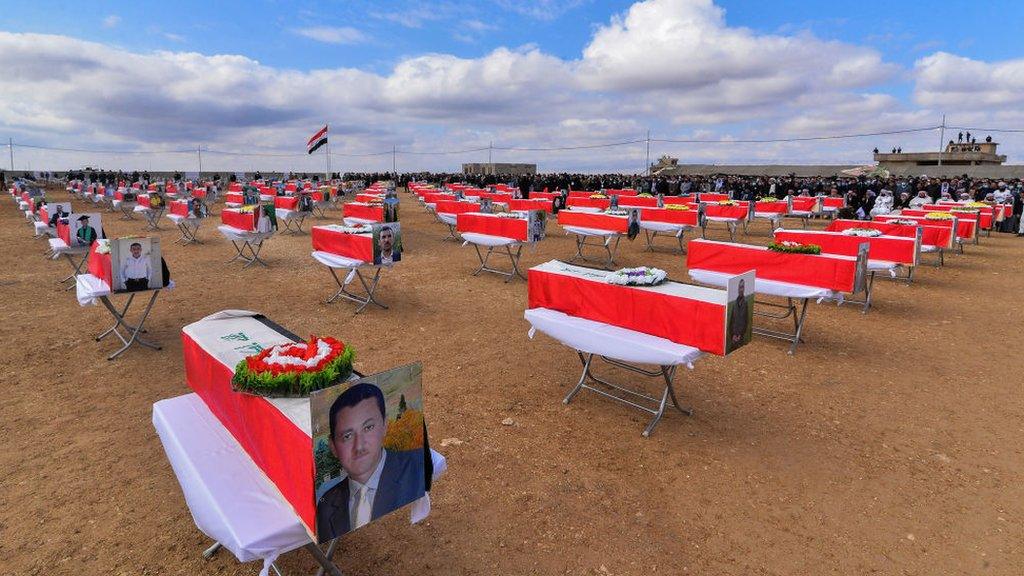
(336, 260)
(487, 239)
(611, 341)
(767, 287)
(239, 235)
(230, 499)
(582, 231)
(89, 289)
(672, 227)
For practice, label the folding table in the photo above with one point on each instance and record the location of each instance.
(621, 348)
(292, 220)
(245, 242)
(354, 267)
(492, 243)
(90, 289)
(60, 248)
(188, 226)
(605, 241)
(152, 216)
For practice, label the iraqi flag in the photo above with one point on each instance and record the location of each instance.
(318, 140)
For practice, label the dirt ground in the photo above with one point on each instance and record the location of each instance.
(891, 443)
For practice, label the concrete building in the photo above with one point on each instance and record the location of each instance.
(492, 168)
(963, 154)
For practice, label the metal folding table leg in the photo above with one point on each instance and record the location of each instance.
(370, 288)
(188, 233)
(513, 259)
(798, 322)
(254, 250)
(77, 269)
(666, 372)
(119, 318)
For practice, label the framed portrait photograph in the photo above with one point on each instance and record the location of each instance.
(84, 229)
(370, 450)
(387, 243)
(135, 264)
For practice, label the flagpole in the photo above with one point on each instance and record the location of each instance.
(328, 135)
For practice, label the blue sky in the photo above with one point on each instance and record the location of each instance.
(889, 65)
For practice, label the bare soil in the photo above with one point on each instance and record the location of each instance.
(891, 443)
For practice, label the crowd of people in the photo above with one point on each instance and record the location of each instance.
(865, 196)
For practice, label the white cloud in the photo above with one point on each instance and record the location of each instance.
(540, 9)
(667, 65)
(332, 34)
(111, 21)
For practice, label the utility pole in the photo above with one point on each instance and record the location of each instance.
(394, 159)
(648, 153)
(942, 137)
(10, 144)
(199, 154)
(490, 160)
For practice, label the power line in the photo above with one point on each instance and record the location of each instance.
(557, 148)
(969, 128)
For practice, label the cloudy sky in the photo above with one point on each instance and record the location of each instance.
(443, 81)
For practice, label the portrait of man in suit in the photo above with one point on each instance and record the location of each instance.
(377, 481)
(740, 318)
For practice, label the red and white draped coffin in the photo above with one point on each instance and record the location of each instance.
(368, 198)
(834, 272)
(830, 204)
(492, 225)
(521, 205)
(286, 202)
(896, 249)
(935, 237)
(549, 196)
(274, 432)
(179, 208)
(712, 197)
(455, 206)
(638, 202)
(588, 203)
(332, 239)
(734, 212)
(235, 218)
(594, 221)
(681, 313)
(363, 211)
(668, 216)
(986, 214)
(776, 208)
(964, 229)
(974, 218)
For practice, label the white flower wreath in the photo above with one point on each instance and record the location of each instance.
(642, 276)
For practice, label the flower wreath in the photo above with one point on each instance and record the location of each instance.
(616, 212)
(642, 276)
(727, 203)
(939, 216)
(904, 222)
(357, 229)
(769, 199)
(790, 247)
(294, 369)
(679, 207)
(598, 197)
(865, 232)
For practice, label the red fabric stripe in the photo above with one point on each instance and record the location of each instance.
(286, 202)
(455, 207)
(99, 265)
(688, 217)
(577, 202)
(738, 212)
(357, 246)
(591, 220)
(771, 207)
(820, 271)
(375, 213)
(279, 448)
(242, 221)
(531, 204)
(682, 320)
(64, 232)
(492, 225)
(179, 207)
(638, 202)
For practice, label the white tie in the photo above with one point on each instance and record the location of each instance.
(364, 508)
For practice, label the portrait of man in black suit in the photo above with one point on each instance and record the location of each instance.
(377, 481)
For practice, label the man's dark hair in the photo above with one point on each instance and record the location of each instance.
(355, 395)
(134, 244)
